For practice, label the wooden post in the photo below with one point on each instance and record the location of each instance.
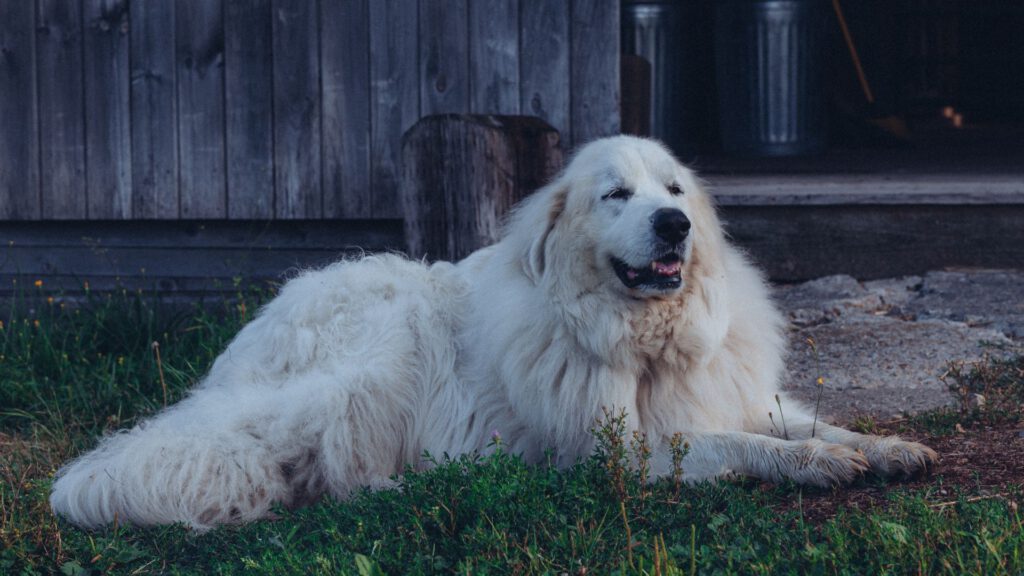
(462, 173)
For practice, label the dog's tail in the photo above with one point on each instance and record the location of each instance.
(156, 475)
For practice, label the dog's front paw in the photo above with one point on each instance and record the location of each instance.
(893, 456)
(822, 464)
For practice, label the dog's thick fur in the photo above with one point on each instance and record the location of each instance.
(354, 371)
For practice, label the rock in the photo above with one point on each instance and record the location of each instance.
(884, 346)
(880, 365)
(824, 299)
(990, 298)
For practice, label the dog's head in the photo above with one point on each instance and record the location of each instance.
(630, 215)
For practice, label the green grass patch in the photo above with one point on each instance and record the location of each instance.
(68, 373)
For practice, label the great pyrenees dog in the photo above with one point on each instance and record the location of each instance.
(613, 287)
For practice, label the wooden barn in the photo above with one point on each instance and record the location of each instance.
(185, 144)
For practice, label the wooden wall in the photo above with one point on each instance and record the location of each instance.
(273, 109)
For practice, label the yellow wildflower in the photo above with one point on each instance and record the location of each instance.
(39, 283)
(821, 381)
(120, 360)
(49, 300)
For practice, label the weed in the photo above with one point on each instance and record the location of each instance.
(819, 381)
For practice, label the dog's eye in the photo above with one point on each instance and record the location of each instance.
(675, 190)
(618, 194)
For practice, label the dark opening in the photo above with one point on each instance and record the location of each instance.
(946, 78)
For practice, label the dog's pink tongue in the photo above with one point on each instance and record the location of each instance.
(663, 269)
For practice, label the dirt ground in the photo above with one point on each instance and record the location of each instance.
(987, 462)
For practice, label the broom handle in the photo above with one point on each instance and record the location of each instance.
(853, 53)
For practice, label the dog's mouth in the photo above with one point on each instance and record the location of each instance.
(665, 273)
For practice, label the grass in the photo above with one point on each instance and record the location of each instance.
(68, 373)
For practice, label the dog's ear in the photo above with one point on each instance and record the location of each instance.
(538, 218)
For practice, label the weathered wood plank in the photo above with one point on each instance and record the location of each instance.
(297, 109)
(494, 57)
(595, 69)
(249, 93)
(200, 67)
(196, 234)
(345, 78)
(19, 136)
(796, 243)
(61, 114)
(180, 255)
(850, 189)
(462, 174)
(544, 87)
(636, 95)
(444, 56)
(108, 137)
(394, 96)
(86, 262)
(153, 120)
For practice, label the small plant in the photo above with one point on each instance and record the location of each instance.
(610, 449)
(679, 450)
(819, 381)
(990, 391)
(778, 402)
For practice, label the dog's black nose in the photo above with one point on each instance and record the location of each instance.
(671, 225)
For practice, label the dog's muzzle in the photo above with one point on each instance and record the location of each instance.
(671, 228)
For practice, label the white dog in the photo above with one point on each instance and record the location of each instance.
(613, 287)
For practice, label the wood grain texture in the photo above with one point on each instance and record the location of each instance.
(177, 256)
(108, 137)
(249, 94)
(394, 96)
(200, 73)
(154, 108)
(595, 69)
(444, 56)
(200, 234)
(494, 57)
(864, 189)
(544, 87)
(462, 174)
(19, 137)
(61, 114)
(297, 109)
(345, 81)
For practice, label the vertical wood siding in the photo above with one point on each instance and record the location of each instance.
(273, 109)
(154, 110)
(249, 98)
(19, 118)
(61, 115)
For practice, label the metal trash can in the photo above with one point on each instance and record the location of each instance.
(675, 38)
(770, 76)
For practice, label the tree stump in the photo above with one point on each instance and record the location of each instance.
(462, 173)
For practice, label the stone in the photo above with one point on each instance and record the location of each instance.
(883, 347)
(991, 298)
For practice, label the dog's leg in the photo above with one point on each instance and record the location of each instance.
(888, 455)
(814, 462)
(157, 474)
(366, 440)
